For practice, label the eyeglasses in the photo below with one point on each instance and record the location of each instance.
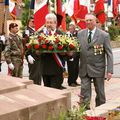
(89, 20)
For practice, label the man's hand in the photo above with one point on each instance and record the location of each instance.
(31, 59)
(11, 66)
(109, 76)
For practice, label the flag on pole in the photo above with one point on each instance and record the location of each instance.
(6, 2)
(115, 8)
(83, 10)
(109, 2)
(63, 23)
(12, 9)
(59, 12)
(99, 11)
(77, 9)
(70, 10)
(40, 11)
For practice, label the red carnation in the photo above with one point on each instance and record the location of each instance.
(44, 46)
(29, 46)
(55, 34)
(72, 46)
(50, 47)
(36, 46)
(46, 41)
(60, 47)
(57, 40)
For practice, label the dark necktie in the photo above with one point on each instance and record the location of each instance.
(89, 37)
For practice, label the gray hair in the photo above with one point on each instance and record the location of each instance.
(51, 16)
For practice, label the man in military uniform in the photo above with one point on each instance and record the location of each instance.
(33, 58)
(95, 52)
(14, 52)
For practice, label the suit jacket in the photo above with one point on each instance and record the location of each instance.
(49, 65)
(93, 56)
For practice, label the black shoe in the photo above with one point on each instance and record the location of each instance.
(62, 87)
(72, 85)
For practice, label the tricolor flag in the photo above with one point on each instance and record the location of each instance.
(77, 9)
(83, 10)
(6, 2)
(40, 11)
(12, 9)
(70, 10)
(99, 11)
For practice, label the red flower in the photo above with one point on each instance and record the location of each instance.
(60, 47)
(57, 40)
(50, 47)
(71, 46)
(44, 46)
(46, 41)
(55, 34)
(29, 46)
(36, 46)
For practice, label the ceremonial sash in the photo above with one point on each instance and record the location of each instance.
(57, 59)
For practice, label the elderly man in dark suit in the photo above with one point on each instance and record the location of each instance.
(52, 71)
(95, 52)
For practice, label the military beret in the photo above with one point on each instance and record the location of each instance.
(12, 25)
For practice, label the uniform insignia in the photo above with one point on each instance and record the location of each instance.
(98, 49)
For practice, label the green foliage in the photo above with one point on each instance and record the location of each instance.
(114, 32)
(76, 113)
(26, 12)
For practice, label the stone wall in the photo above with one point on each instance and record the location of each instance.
(20, 99)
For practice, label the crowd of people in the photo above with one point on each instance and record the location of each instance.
(89, 64)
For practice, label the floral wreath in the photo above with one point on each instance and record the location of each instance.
(53, 43)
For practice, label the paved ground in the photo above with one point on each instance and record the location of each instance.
(112, 90)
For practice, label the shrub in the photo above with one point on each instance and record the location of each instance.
(114, 32)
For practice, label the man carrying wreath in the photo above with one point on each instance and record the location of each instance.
(52, 63)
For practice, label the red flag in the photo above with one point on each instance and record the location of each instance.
(115, 8)
(63, 24)
(59, 12)
(99, 11)
(40, 11)
(76, 7)
(83, 10)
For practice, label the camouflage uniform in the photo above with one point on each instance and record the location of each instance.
(14, 54)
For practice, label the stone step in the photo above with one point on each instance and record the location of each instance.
(20, 99)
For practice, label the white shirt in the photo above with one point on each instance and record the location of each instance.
(93, 32)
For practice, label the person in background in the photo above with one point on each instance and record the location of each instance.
(14, 52)
(52, 70)
(2, 47)
(73, 61)
(95, 52)
(33, 58)
(98, 24)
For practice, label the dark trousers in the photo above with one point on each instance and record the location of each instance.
(73, 70)
(53, 81)
(35, 72)
(86, 90)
